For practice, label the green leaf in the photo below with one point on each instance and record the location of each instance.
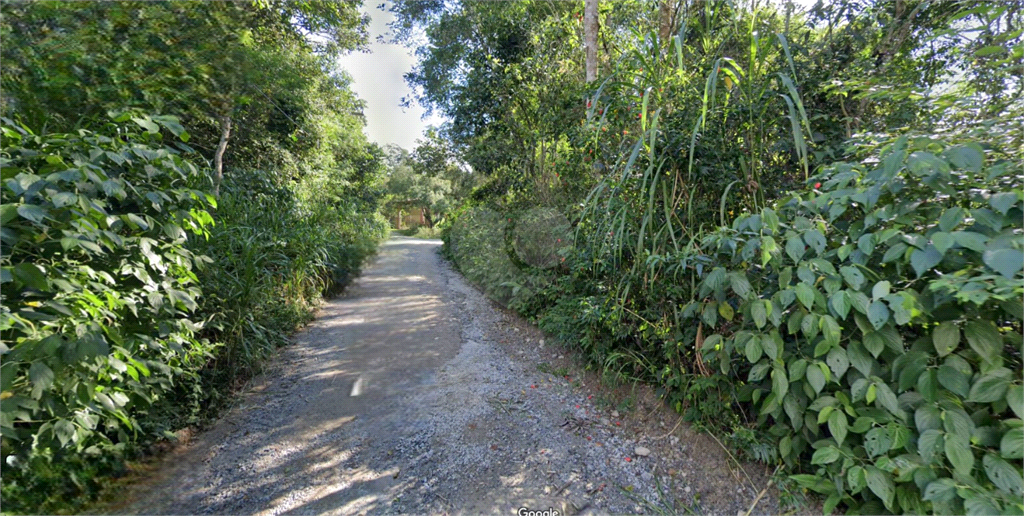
(954, 380)
(880, 483)
(838, 425)
(894, 252)
(853, 276)
(887, 398)
(758, 313)
(1004, 261)
(1012, 444)
(880, 290)
(63, 199)
(984, 339)
(951, 218)
(958, 423)
(795, 249)
(878, 314)
(753, 350)
(65, 431)
(942, 241)
(946, 338)
(1003, 201)
(841, 304)
(979, 506)
(923, 260)
(147, 124)
(30, 275)
(971, 240)
(826, 455)
(830, 330)
(815, 240)
(726, 311)
(929, 444)
(860, 359)
(838, 362)
(958, 451)
(989, 50)
(42, 378)
(927, 417)
(1015, 399)
(816, 378)
(1006, 477)
(740, 285)
(805, 293)
(876, 442)
(940, 490)
(990, 387)
(780, 384)
(32, 212)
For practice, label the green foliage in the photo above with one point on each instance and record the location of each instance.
(100, 287)
(875, 327)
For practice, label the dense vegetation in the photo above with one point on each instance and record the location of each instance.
(805, 228)
(181, 184)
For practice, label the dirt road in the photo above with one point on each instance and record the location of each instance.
(412, 393)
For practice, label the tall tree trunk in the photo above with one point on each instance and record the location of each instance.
(666, 21)
(590, 27)
(218, 157)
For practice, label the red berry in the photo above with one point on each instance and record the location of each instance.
(817, 185)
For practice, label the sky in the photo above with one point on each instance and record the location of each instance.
(377, 79)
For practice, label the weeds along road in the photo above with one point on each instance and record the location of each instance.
(403, 397)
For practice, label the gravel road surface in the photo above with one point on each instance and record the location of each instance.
(413, 393)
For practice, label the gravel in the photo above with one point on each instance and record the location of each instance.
(452, 415)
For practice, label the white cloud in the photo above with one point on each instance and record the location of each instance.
(378, 79)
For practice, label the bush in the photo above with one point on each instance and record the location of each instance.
(875, 326)
(99, 291)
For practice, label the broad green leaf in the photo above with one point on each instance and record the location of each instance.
(841, 304)
(927, 417)
(887, 398)
(989, 50)
(856, 477)
(954, 380)
(42, 378)
(924, 260)
(64, 430)
(951, 218)
(1003, 201)
(740, 285)
(990, 387)
(826, 455)
(780, 383)
(860, 359)
(30, 275)
(816, 378)
(758, 313)
(815, 240)
(942, 241)
(853, 276)
(1015, 399)
(971, 240)
(979, 506)
(838, 362)
(878, 314)
(147, 124)
(726, 311)
(940, 490)
(929, 445)
(795, 249)
(894, 252)
(880, 483)
(63, 199)
(958, 451)
(1004, 261)
(838, 425)
(866, 243)
(32, 212)
(946, 338)
(880, 290)
(877, 442)
(753, 350)
(984, 339)
(805, 293)
(1006, 477)
(957, 422)
(1012, 444)
(830, 330)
